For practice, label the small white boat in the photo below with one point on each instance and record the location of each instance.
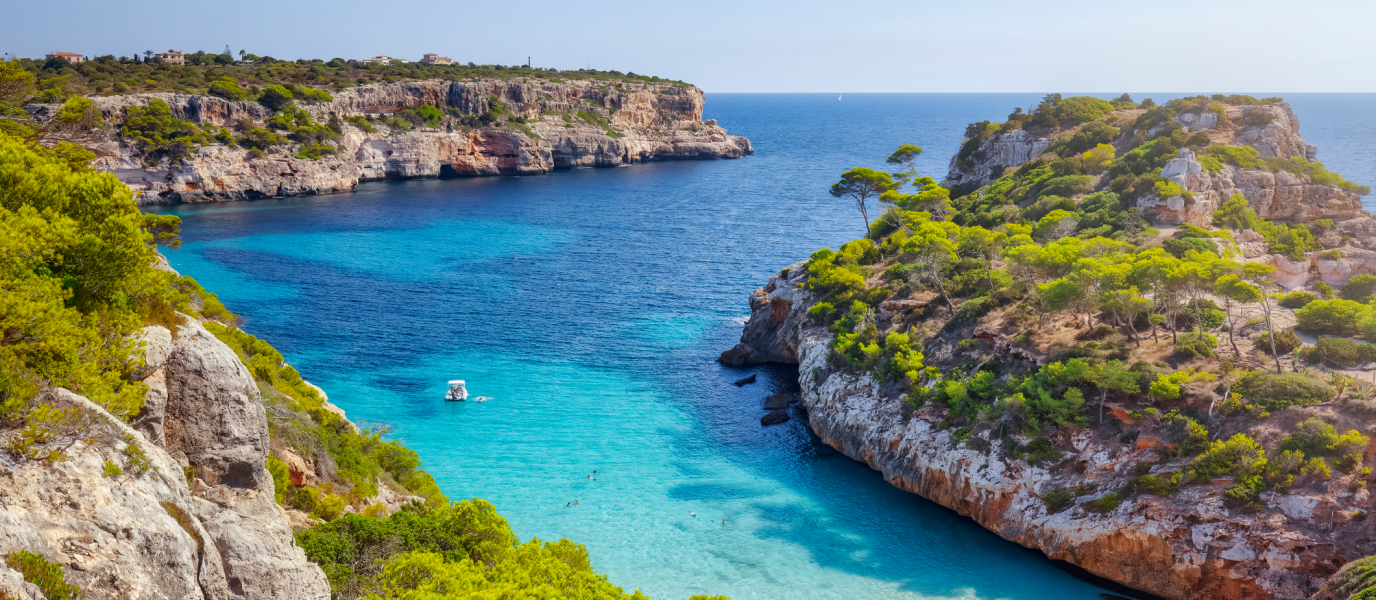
(456, 392)
(838, 97)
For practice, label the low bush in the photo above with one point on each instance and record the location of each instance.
(47, 576)
(1359, 288)
(1338, 317)
(1297, 299)
(1339, 353)
(1058, 500)
(1195, 345)
(1103, 505)
(1274, 391)
(1286, 342)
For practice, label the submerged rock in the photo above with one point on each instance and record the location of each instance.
(747, 380)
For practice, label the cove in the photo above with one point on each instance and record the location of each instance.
(589, 304)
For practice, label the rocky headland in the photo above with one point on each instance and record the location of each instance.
(574, 124)
(1114, 495)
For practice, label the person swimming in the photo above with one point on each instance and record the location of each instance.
(568, 504)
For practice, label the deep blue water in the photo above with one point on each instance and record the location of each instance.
(590, 305)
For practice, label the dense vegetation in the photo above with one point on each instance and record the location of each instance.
(222, 75)
(77, 282)
(1177, 331)
(462, 549)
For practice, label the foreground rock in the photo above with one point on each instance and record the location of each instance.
(1184, 546)
(774, 418)
(197, 521)
(649, 122)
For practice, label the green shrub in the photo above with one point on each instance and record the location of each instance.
(1180, 248)
(1339, 353)
(227, 88)
(1195, 345)
(1359, 288)
(1297, 299)
(1286, 342)
(1162, 485)
(1313, 437)
(1274, 391)
(275, 97)
(1103, 505)
(1338, 317)
(316, 151)
(1069, 185)
(1058, 500)
(974, 308)
(46, 575)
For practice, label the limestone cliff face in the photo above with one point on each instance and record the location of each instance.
(1275, 196)
(651, 122)
(200, 522)
(996, 153)
(1184, 546)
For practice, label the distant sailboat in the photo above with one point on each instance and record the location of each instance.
(838, 97)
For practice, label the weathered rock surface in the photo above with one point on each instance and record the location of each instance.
(153, 535)
(1275, 196)
(1000, 151)
(652, 122)
(1184, 546)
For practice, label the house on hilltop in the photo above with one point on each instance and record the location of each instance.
(71, 57)
(381, 59)
(171, 57)
(435, 59)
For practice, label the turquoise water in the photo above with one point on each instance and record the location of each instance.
(590, 304)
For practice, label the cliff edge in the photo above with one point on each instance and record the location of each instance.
(474, 128)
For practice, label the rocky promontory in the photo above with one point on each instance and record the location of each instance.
(543, 126)
(1142, 403)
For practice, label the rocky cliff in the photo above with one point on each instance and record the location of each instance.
(1276, 195)
(998, 152)
(567, 125)
(1186, 545)
(176, 504)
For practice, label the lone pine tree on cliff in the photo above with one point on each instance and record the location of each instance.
(861, 184)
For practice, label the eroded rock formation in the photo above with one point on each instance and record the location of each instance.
(650, 122)
(197, 521)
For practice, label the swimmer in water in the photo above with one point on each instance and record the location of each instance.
(575, 503)
(568, 504)
(595, 472)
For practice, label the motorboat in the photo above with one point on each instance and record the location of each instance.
(456, 392)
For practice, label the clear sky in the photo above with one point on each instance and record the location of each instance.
(774, 46)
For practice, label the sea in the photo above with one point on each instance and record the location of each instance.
(589, 306)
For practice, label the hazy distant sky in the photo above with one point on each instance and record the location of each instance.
(755, 46)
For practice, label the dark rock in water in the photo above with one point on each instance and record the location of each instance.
(777, 401)
(774, 418)
(741, 382)
(741, 355)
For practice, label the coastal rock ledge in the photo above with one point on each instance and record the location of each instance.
(573, 124)
(1184, 546)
